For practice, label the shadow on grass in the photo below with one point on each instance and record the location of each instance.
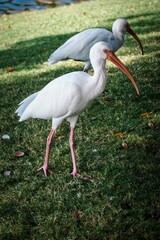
(36, 51)
(119, 89)
(31, 52)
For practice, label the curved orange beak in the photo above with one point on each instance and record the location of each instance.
(135, 37)
(114, 59)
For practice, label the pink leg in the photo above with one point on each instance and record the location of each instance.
(45, 168)
(71, 143)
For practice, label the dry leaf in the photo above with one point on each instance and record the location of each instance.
(58, 138)
(146, 114)
(74, 63)
(106, 98)
(90, 73)
(120, 134)
(10, 69)
(77, 215)
(19, 154)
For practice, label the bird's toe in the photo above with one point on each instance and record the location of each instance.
(45, 169)
(75, 174)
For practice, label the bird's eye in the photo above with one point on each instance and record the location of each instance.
(105, 50)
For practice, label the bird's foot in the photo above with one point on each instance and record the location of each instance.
(45, 169)
(75, 174)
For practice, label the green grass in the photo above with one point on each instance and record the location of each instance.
(122, 201)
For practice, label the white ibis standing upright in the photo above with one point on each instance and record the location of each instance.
(78, 47)
(67, 96)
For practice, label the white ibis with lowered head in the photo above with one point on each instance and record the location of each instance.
(78, 47)
(67, 96)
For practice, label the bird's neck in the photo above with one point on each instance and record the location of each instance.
(119, 36)
(99, 79)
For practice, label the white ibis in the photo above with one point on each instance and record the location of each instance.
(67, 96)
(78, 47)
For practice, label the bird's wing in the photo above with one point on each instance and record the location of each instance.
(60, 98)
(78, 46)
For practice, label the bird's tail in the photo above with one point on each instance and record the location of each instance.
(24, 104)
(58, 55)
(52, 59)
